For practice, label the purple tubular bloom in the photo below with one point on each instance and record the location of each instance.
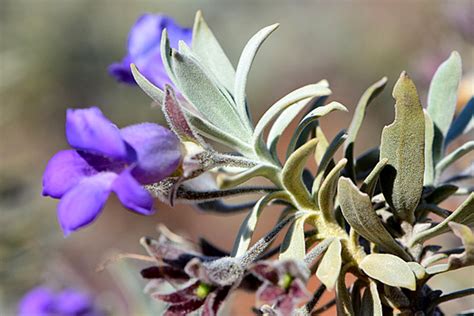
(107, 159)
(42, 301)
(143, 49)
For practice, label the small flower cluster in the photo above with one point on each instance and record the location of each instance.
(370, 216)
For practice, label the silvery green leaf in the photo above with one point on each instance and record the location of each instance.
(244, 236)
(456, 261)
(150, 89)
(210, 131)
(165, 50)
(371, 304)
(261, 170)
(459, 152)
(359, 213)
(293, 245)
(429, 174)
(327, 193)
(330, 265)
(307, 92)
(282, 122)
(389, 269)
(292, 175)
(243, 68)
(323, 145)
(357, 119)
(464, 214)
(403, 144)
(326, 161)
(368, 186)
(442, 98)
(417, 269)
(463, 123)
(311, 256)
(312, 116)
(201, 91)
(210, 53)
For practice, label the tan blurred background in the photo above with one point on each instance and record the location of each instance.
(54, 55)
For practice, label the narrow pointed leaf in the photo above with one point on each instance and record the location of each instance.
(244, 236)
(442, 98)
(464, 214)
(357, 120)
(343, 299)
(282, 122)
(389, 269)
(429, 174)
(310, 91)
(293, 245)
(368, 186)
(210, 53)
(226, 182)
(403, 145)
(465, 258)
(359, 213)
(326, 162)
(327, 192)
(210, 131)
(150, 89)
(371, 304)
(243, 68)
(201, 91)
(463, 123)
(330, 266)
(292, 174)
(455, 155)
(312, 116)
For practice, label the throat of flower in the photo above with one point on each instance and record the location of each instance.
(286, 280)
(203, 290)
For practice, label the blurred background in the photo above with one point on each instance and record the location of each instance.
(54, 55)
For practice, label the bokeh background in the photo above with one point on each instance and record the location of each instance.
(54, 55)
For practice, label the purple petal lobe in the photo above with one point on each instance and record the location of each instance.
(38, 302)
(72, 302)
(158, 151)
(143, 48)
(132, 194)
(64, 171)
(82, 204)
(89, 130)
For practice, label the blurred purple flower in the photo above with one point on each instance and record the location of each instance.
(106, 159)
(143, 49)
(42, 301)
(283, 285)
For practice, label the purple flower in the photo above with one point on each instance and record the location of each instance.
(143, 49)
(283, 285)
(106, 159)
(42, 301)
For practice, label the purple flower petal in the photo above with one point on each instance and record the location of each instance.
(143, 48)
(298, 291)
(179, 296)
(183, 309)
(72, 302)
(269, 293)
(89, 130)
(38, 302)
(265, 271)
(158, 151)
(82, 204)
(64, 171)
(132, 194)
